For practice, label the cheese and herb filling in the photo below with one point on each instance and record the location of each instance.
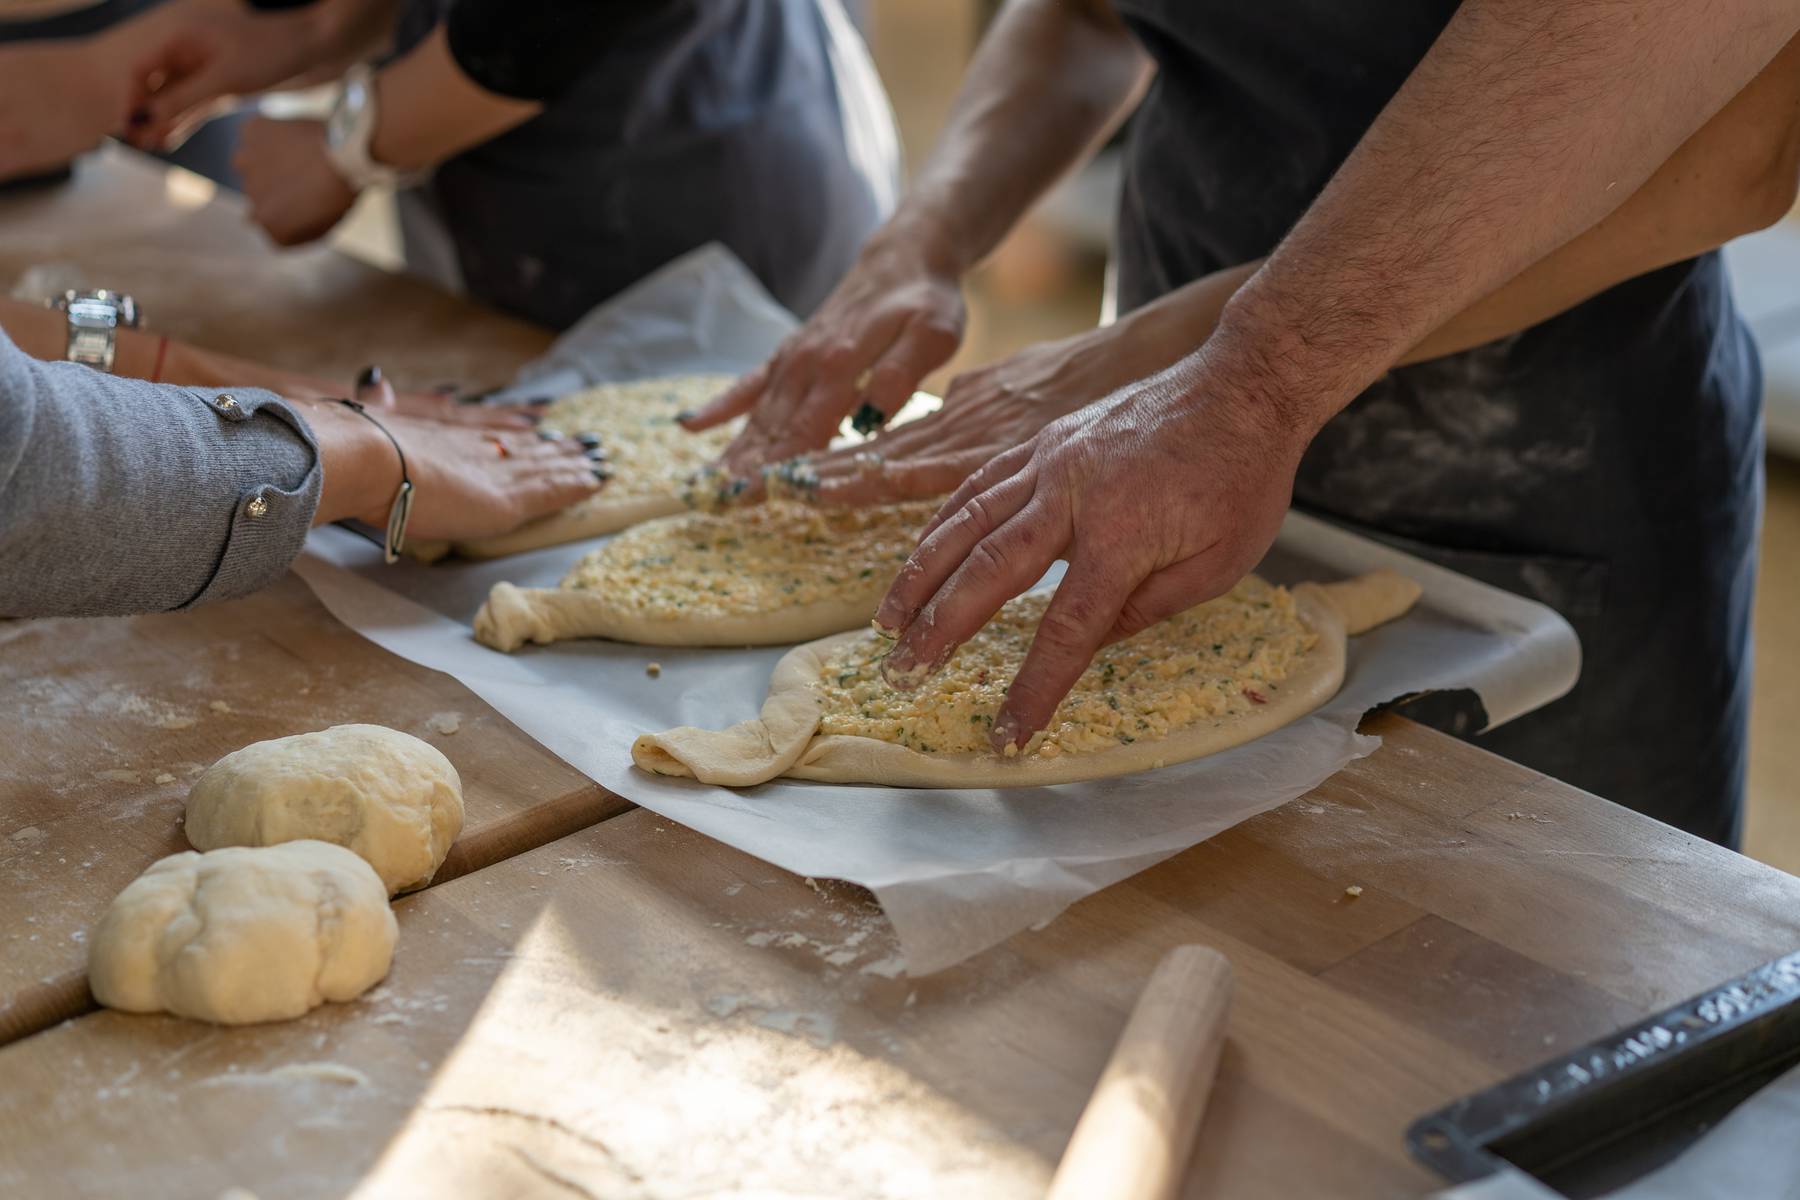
(1221, 658)
(650, 454)
(765, 558)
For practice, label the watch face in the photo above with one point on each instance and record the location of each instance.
(89, 312)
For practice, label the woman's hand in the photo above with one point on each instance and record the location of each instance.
(470, 483)
(892, 320)
(467, 483)
(1160, 497)
(58, 99)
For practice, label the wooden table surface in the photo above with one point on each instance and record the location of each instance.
(635, 1010)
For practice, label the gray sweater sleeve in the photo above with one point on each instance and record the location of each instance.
(119, 496)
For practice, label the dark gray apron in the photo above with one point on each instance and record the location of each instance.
(1607, 462)
(722, 120)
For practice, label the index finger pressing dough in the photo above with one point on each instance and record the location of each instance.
(244, 934)
(651, 457)
(1213, 677)
(385, 795)
(767, 575)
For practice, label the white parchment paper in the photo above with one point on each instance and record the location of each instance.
(956, 871)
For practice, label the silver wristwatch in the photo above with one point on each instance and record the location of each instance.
(95, 318)
(350, 129)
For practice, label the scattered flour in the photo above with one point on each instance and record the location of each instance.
(444, 723)
(891, 967)
(303, 1072)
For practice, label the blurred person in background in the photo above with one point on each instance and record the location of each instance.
(548, 152)
(1439, 272)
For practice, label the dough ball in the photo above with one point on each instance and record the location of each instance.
(244, 934)
(384, 794)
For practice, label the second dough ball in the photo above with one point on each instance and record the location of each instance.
(386, 795)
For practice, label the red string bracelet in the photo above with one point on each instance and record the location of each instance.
(162, 352)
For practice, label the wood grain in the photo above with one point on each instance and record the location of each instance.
(109, 722)
(636, 1010)
(202, 272)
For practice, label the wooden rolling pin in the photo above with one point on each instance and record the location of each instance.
(1135, 1135)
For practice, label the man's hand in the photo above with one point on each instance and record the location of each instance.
(295, 193)
(1160, 497)
(57, 100)
(990, 410)
(891, 321)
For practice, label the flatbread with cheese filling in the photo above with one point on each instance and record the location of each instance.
(769, 574)
(1213, 677)
(650, 454)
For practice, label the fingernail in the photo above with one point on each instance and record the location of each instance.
(550, 435)
(686, 415)
(369, 377)
(595, 454)
(602, 473)
(590, 440)
(902, 672)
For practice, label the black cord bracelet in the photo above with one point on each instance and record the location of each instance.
(401, 510)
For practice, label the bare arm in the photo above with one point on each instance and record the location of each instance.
(1050, 81)
(1527, 124)
(1740, 172)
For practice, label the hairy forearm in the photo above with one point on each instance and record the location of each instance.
(1525, 125)
(1740, 172)
(1050, 81)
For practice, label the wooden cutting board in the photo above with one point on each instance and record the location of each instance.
(108, 722)
(202, 272)
(636, 1000)
(636, 1010)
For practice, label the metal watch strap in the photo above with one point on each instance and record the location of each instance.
(95, 318)
(349, 131)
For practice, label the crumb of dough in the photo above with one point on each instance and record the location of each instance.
(165, 777)
(653, 670)
(445, 723)
(219, 706)
(1353, 891)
